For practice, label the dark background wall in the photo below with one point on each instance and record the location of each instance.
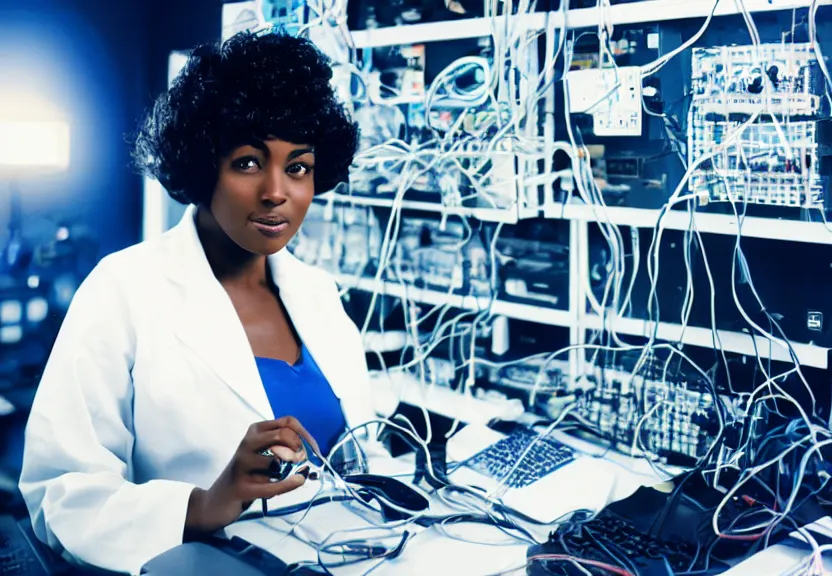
(178, 25)
(100, 62)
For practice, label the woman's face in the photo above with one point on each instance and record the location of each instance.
(263, 192)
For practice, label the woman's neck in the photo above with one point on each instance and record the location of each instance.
(229, 262)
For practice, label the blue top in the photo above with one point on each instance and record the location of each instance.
(301, 390)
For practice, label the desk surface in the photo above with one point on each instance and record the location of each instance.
(429, 552)
(487, 549)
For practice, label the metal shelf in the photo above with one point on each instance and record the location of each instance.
(619, 14)
(516, 310)
(380, 202)
(709, 223)
(736, 342)
(664, 10)
(438, 31)
(391, 387)
(504, 215)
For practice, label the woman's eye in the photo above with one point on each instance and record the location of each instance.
(247, 164)
(299, 169)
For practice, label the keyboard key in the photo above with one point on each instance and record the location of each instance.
(497, 460)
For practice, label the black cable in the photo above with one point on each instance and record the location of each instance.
(365, 552)
(289, 510)
(695, 558)
(306, 566)
(661, 517)
(622, 560)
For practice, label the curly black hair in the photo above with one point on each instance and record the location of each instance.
(254, 86)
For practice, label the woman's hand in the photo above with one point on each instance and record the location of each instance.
(246, 478)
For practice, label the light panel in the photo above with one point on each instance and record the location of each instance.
(33, 145)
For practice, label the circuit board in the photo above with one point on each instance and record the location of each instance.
(752, 133)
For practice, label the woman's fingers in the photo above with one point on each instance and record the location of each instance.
(277, 438)
(256, 491)
(284, 454)
(286, 423)
(292, 423)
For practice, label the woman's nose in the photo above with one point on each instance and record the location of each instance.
(274, 188)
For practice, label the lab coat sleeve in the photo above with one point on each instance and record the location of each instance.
(79, 443)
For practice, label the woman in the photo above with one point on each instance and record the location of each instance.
(188, 363)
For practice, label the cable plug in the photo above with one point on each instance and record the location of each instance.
(362, 550)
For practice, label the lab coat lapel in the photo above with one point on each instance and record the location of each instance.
(299, 298)
(207, 322)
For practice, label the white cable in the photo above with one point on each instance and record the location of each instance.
(659, 63)
(461, 153)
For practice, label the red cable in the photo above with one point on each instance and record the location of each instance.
(602, 565)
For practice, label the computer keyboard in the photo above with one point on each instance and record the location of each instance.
(612, 541)
(497, 460)
(16, 556)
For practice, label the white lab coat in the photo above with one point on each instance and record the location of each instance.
(151, 386)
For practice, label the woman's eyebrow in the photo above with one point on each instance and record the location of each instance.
(257, 144)
(300, 152)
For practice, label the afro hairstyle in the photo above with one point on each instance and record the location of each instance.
(252, 87)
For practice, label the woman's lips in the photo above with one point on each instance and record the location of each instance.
(270, 229)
